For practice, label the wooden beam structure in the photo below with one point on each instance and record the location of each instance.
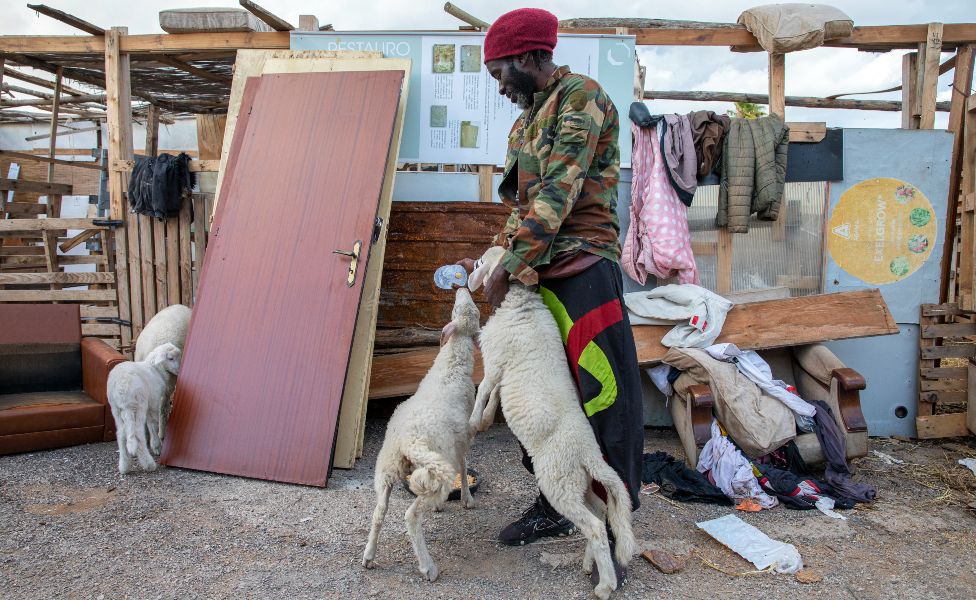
(468, 18)
(273, 21)
(962, 87)
(44, 159)
(45, 83)
(801, 101)
(60, 99)
(120, 147)
(68, 19)
(929, 70)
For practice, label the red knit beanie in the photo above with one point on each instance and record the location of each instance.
(521, 30)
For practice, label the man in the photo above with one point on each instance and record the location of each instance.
(561, 174)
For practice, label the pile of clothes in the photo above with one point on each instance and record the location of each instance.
(671, 153)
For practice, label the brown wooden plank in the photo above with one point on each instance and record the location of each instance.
(18, 225)
(95, 329)
(135, 273)
(119, 121)
(39, 187)
(788, 322)
(941, 385)
(395, 375)
(290, 438)
(44, 159)
(172, 261)
(205, 166)
(199, 236)
(21, 251)
(147, 267)
(23, 209)
(941, 426)
(57, 277)
(159, 261)
(723, 264)
(185, 260)
(934, 397)
(949, 330)
(38, 261)
(930, 78)
(57, 295)
(90, 310)
(943, 373)
(941, 310)
(953, 351)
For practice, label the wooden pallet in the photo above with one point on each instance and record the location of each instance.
(945, 332)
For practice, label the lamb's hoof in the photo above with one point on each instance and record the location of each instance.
(368, 562)
(469, 503)
(602, 591)
(430, 573)
(152, 467)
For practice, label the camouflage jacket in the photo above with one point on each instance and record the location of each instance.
(563, 193)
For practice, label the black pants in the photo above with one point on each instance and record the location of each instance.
(589, 310)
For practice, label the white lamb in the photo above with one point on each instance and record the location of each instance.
(526, 372)
(428, 435)
(169, 325)
(136, 394)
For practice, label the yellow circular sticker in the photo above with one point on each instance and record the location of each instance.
(882, 230)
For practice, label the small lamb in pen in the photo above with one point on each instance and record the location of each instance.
(428, 435)
(136, 394)
(524, 370)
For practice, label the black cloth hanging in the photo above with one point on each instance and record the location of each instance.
(159, 185)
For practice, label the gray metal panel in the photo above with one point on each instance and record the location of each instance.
(921, 158)
(889, 364)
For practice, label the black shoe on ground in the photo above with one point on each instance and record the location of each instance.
(537, 522)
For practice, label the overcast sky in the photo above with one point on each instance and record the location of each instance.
(818, 72)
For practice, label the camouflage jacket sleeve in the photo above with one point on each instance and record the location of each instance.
(511, 226)
(576, 132)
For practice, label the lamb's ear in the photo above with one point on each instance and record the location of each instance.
(156, 357)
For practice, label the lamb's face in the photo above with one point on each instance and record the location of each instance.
(167, 356)
(466, 317)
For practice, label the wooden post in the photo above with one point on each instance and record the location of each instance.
(967, 248)
(54, 206)
(158, 227)
(909, 91)
(723, 262)
(777, 108)
(485, 173)
(308, 23)
(117, 98)
(962, 83)
(930, 77)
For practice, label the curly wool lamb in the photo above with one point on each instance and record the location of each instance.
(526, 373)
(428, 435)
(137, 392)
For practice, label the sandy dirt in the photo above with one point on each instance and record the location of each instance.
(72, 528)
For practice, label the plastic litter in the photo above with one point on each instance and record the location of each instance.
(448, 276)
(887, 458)
(969, 463)
(825, 505)
(753, 545)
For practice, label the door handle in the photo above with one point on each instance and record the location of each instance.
(354, 263)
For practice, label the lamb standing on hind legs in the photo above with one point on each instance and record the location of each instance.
(428, 435)
(137, 392)
(541, 406)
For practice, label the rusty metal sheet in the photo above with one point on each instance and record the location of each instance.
(423, 236)
(268, 345)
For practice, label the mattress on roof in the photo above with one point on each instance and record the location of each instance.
(209, 20)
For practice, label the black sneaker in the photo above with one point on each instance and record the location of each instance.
(537, 522)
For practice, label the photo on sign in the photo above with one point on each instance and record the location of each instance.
(469, 134)
(470, 59)
(444, 58)
(438, 115)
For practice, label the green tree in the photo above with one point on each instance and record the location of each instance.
(747, 110)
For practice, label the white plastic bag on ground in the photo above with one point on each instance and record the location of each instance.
(753, 545)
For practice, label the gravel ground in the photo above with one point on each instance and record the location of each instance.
(71, 528)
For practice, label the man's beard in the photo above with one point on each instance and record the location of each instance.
(524, 88)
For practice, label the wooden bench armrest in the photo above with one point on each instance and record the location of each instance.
(700, 403)
(848, 389)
